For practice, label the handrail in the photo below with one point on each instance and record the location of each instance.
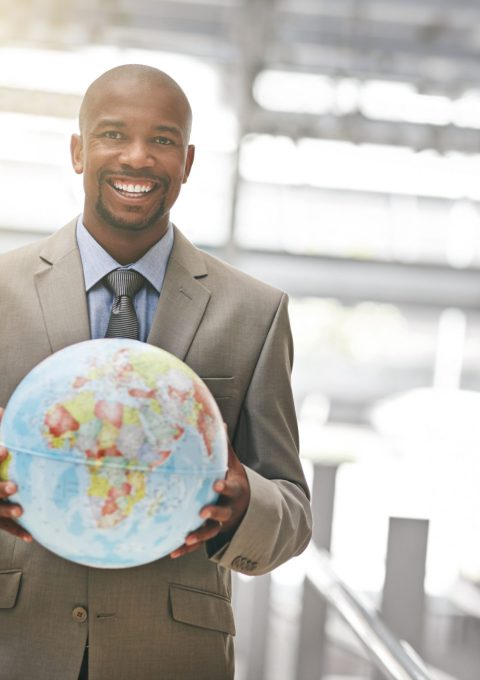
(392, 656)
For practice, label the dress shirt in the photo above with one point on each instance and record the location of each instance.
(97, 263)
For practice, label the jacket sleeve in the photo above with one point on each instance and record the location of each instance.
(277, 523)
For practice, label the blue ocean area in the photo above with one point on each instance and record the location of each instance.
(67, 486)
(76, 524)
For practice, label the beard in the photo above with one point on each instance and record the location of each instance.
(140, 224)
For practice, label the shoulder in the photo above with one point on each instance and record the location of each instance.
(223, 278)
(230, 275)
(14, 262)
(46, 249)
(23, 252)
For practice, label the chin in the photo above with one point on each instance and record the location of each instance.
(133, 223)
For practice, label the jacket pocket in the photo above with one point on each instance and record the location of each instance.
(221, 388)
(202, 608)
(9, 587)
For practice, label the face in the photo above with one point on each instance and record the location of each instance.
(134, 155)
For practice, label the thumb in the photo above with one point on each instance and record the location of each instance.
(232, 457)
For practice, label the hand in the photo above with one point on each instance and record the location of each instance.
(9, 512)
(227, 514)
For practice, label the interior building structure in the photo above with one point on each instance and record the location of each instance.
(338, 158)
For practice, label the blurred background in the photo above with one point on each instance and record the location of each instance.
(338, 157)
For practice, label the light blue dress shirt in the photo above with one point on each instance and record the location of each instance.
(97, 263)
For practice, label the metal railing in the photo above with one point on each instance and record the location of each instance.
(395, 659)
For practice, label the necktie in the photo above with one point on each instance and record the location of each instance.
(124, 284)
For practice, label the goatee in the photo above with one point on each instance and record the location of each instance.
(128, 225)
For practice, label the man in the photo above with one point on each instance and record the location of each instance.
(172, 619)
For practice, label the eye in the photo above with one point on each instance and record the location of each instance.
(163, 140)
(112, 134)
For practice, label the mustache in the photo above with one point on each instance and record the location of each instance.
(136, 174)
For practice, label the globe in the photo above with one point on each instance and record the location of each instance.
(114, 445)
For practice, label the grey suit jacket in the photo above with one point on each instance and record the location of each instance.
(171, 619)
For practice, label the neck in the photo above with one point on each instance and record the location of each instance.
(126, 246)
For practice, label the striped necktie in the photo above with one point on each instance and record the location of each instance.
(124, 284)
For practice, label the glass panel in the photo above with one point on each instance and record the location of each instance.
(342, 200)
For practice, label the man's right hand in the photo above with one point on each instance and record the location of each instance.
(9, 512)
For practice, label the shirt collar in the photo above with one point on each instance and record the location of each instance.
(97, 263)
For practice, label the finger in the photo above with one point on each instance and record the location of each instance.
(10, 510)
(233, 459)
(184, 550)
(15, 529)
(221, 514)
(232, 456)
(228, 487)
(7, 489)
(207, 531)
(194, 541)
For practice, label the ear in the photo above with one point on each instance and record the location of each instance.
(76, 152)
(188, 162)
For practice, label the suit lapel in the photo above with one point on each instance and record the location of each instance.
(61, 290)
(183, 299)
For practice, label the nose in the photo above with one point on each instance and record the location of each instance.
(135, 153)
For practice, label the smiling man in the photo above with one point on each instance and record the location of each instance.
(171, 619)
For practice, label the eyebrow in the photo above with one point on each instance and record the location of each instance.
(168, 128)
(111, 122)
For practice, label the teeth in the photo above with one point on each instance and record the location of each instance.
(133, 188)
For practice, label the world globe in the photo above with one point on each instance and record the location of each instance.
(114, 445)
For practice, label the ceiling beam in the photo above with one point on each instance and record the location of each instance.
(39, 103)
(353, 281)
(359, 129)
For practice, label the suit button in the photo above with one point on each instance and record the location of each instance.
(244, 564)
(238, 562)
(79, 614)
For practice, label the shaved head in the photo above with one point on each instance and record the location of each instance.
(125, 77)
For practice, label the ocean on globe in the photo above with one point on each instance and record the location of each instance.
(115, 445)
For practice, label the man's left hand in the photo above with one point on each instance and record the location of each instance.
(226, 515)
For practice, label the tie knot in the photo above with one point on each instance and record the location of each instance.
(124, 282)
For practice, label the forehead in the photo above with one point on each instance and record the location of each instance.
(136, 102)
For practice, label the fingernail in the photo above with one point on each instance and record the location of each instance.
(174, 555)
(191, 540)
(27, 538)
(205, 514)
(16, 512)
(219, 486)
(10, 488)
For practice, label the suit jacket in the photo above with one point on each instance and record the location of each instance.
(171, 619)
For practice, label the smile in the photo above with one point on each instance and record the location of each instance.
(130, 189)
